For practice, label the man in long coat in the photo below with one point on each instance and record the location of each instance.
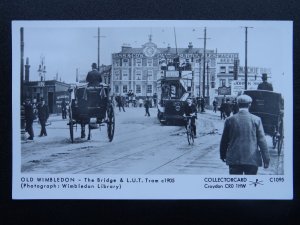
(243, 144)
(29, 117)
(43, 114)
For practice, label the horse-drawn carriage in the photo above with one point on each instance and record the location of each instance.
(269, 106)
(90, 105)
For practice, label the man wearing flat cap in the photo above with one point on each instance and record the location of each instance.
(94, 77)
(265, 85)
(243, 144)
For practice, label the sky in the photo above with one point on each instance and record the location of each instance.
(70, 45)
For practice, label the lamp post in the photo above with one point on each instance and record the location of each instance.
(246, 67)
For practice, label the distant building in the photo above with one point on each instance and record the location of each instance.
(51, 91)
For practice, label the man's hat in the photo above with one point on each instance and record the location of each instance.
(244, 99)
(94, 65)
(264, 76)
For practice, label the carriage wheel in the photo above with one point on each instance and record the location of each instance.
(280, 138)
(110, 123)
(71, 130)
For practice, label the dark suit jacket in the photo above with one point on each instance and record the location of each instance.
(94, 78)
(265, 86)
(243, 134)
(43, 113)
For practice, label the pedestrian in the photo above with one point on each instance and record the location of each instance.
(64, 109)
(265, 85)
(242, 135)
(227, 108)
(202, 104)
(222, 107)
(140, 102)
(119, 101)
(94, 77)
(215, 105)
(29, 117)
(234, 107)
(43, 115)
(147, 106)
(154, 99)
(190, 109)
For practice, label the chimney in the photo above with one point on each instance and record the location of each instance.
(190, 46)
(27, 66)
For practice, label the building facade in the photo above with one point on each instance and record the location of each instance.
(51, 91)
(138, 69)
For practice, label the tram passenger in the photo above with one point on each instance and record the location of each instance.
(191, 110)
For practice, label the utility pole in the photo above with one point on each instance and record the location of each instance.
(22, 109)
(99, 37)
(204, 61)
(246, 67)
(207, 90)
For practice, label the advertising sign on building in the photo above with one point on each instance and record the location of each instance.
(238, 86)
(224, 90)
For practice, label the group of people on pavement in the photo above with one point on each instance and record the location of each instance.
(42, 113)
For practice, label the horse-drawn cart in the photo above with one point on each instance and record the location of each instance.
(269, 106)
(90, 105)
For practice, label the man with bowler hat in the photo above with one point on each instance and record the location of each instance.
(265, 85)
(43, 114)
(94, 77)
(29, 117)
(243, 144)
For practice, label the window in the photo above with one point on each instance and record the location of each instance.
(138, 62)
(229, 81)
(125, 89)
(230, 69)
(117, 62)
(222, 82)
(125, 75)
(222, 69)
(117, 75)
(138, 89)
(149, 62)
(125, 62)
(116, 89)
(149, 89)
(138, 74)
(150, 74)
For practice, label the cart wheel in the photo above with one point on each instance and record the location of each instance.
(280, 139)
(110, 123)
(71, 130)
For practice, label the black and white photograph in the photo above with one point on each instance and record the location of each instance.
(152, 109)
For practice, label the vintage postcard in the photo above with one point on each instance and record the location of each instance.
(152, 109)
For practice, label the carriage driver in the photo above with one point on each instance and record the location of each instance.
(94, 77)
